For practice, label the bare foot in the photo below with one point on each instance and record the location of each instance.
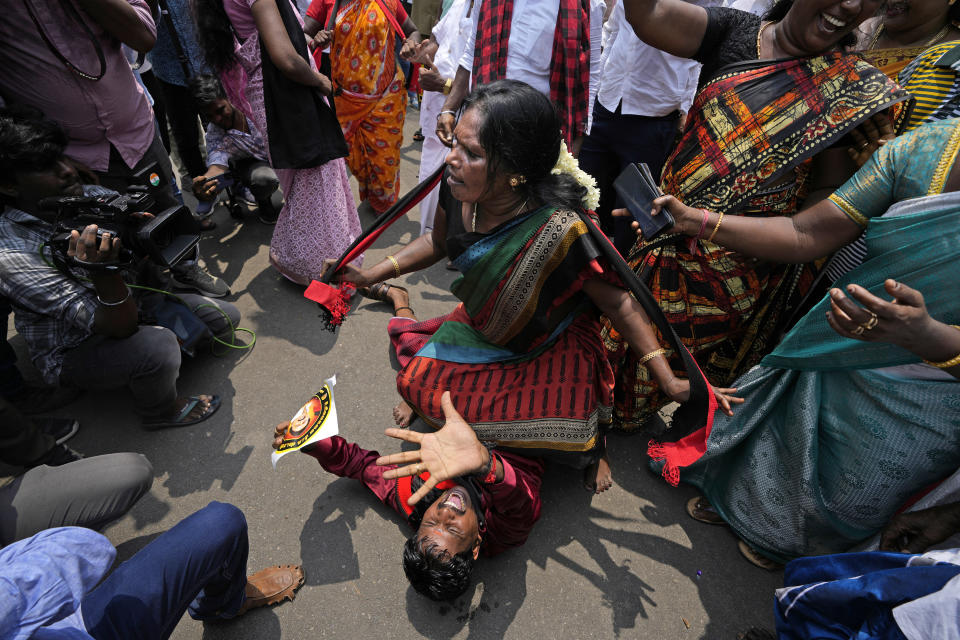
(400, 299)
(598, 477)
(403, 414)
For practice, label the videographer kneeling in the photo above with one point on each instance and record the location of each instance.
(81, 323)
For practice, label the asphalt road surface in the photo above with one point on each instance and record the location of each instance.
(629, 563)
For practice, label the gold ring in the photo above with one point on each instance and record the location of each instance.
(871, 323)
(858, 331)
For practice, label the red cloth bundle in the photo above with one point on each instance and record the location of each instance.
(334, 300)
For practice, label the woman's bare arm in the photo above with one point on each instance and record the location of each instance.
(633, 323)
(674, 26)
(274, 35)
(813, 233)
(311, 26)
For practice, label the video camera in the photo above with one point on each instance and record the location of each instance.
(167, 237)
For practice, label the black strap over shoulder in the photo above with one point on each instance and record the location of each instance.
(302, 129)
(175, 38)
(692, 414)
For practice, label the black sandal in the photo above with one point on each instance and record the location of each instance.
(378, 291)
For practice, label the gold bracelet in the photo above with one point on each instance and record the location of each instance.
(396, 265)
(719, 220)
(946, 364)
(447, 86)
(652, 355)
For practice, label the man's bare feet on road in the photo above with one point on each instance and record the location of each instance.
(598, 477)
(401, 305)
(403, 414)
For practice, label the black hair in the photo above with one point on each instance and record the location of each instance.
(28, 141)
(215, 34)
(782, 7)
(520, 134)
(205, 89)
(436, 573)
(953, 13)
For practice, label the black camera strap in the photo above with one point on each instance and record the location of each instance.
(175, 38)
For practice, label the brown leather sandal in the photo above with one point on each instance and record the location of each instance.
(700, 510)
(756, 559)
(272, 585)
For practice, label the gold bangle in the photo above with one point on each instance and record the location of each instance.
(719, 220)
(652, 355)
(946, 364)
(396, 265)
(447, 86)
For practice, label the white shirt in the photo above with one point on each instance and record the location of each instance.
(935, 615)
(641, 79)
(530, 46)
(597, 9)
(452, 32)
(646, 81)
(756, 7)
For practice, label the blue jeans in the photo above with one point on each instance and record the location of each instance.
(615, 141)
(199, 566)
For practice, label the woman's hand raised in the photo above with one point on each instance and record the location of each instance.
(903, 321)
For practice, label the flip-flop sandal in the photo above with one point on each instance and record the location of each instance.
(378, 291)
(700, 510)
(181, 420)
(755, 558)
(418, 136)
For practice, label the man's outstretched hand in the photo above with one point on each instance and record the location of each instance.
(451, 452)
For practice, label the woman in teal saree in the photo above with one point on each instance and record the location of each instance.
(521, 355)
(846, 419)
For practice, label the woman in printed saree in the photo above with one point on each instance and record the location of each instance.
(933, 78)
(370, 93)
(904, 30)
(521, 355)
(269, 76)
(857, 409)
(766, 132)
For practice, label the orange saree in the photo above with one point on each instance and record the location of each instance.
(371, 99)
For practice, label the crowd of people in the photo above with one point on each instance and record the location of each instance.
(793, 323)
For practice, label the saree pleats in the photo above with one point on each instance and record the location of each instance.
(372, 101)
(827, 447)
